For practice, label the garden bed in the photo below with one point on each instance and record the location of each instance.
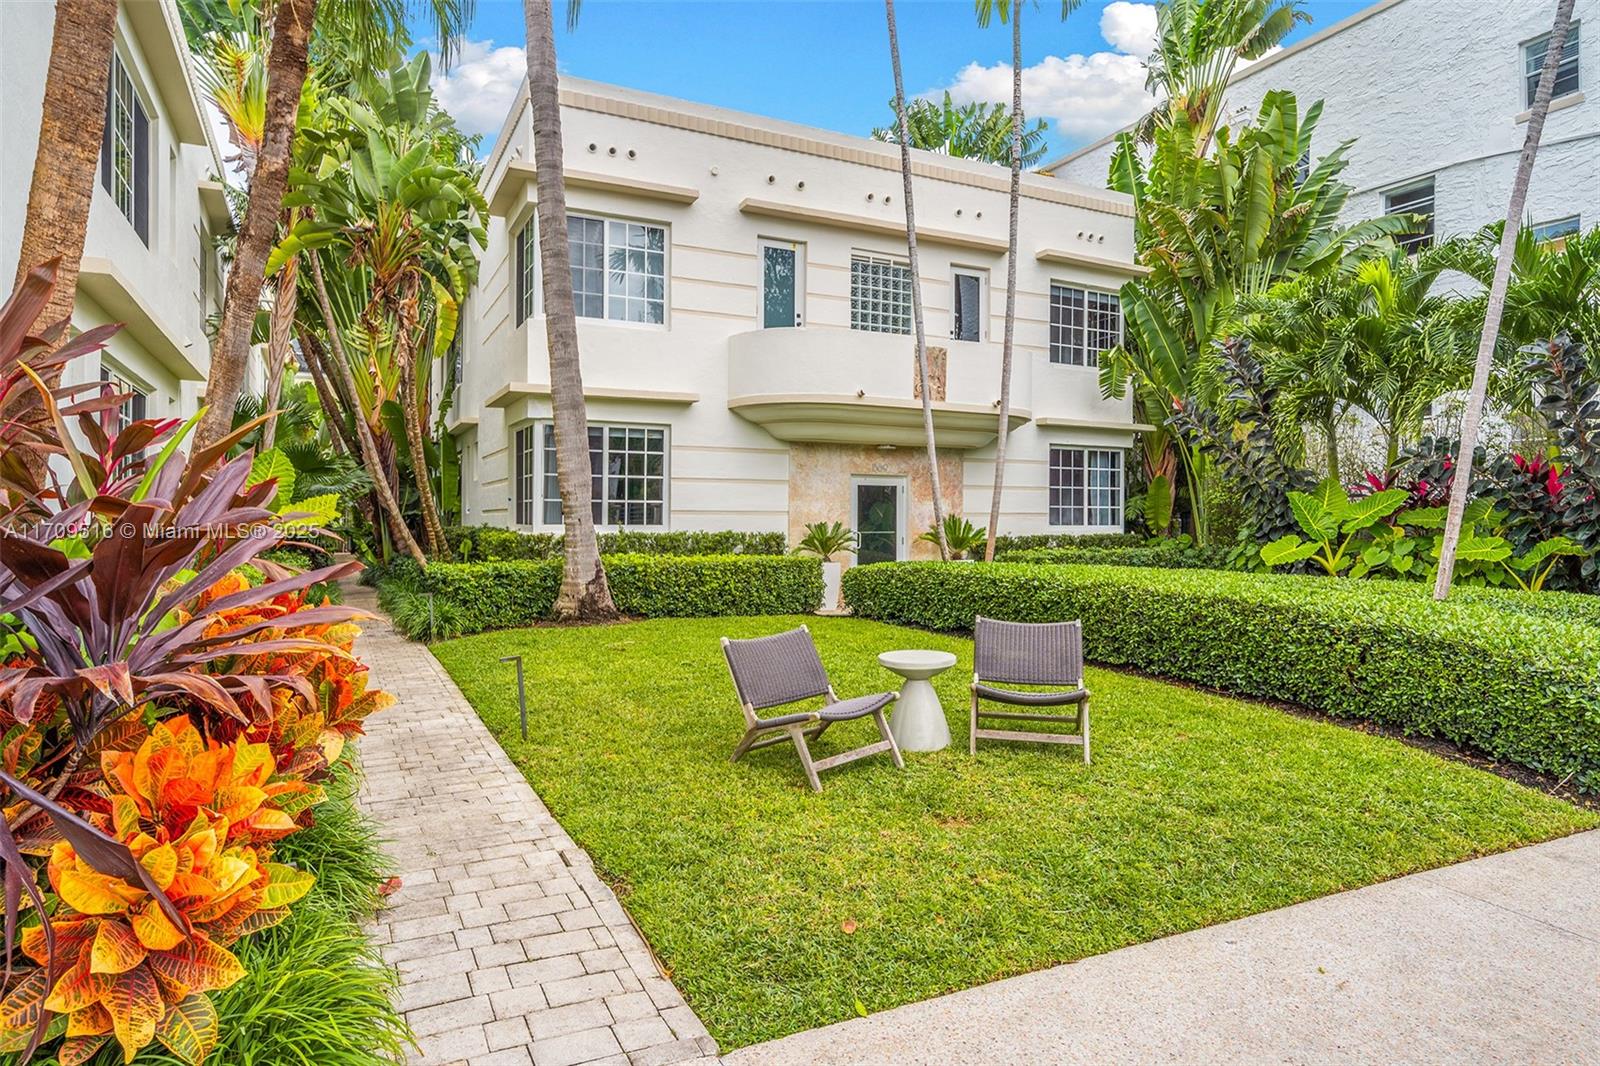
(777, 910)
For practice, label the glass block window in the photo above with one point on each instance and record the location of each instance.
(125, 150)
(1413, 200)
(1086, 487)
(619, 269)
(527, 262)
(1083, 323)
(1534, 54)
(628, 475)
(880, 294)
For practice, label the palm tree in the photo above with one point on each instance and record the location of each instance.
(1473, 417)
(585, 594)
(916, 282)
(975, 130)
(986, 11)
(70, 129)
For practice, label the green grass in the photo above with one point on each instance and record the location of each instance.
(957, 870)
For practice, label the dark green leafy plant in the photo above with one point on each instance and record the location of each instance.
(826, 539)
(960, 535)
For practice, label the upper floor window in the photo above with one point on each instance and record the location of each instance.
(1086, 487)
(1534, 54)
(526, 258)
(1413, 200)
(619, 269)
(966, 308)
(125, 150)
(1083, 323)
(131, 410)
(1557, 230)
(627, 475)
(880, 294)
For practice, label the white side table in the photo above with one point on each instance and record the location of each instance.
(918, 721)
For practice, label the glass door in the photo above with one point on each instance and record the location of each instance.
(878, 515)
(783, 284)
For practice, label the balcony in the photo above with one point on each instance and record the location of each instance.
(843, 386)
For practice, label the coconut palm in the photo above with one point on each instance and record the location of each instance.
(1009, 10)
(585, 593)
(372, 28)
(1473, 417)
(975, 130)
(71, 126)
(904, 141)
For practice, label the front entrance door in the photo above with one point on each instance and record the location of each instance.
(783, 266)
(878, 516)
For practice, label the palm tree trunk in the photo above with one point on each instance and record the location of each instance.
(1330, 430)
(281, 328)
(1472, 420)
(410, 413)
(1011, 283)
(916, 282)
(286, 76)
(369, 448)
(70, 130)
(585, 594)
(337, 431)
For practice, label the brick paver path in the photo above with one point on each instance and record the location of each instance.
(511, 951)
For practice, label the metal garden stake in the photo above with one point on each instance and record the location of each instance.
(522, 693)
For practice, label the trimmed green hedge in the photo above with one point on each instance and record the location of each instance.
(1515, 677)
(1029, 541)
(476, 544)
(1145, 555)
(454, 599)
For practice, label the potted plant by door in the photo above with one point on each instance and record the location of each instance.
(962, 537)
(825, 540)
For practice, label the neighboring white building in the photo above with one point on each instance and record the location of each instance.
(148, 257)
(744, 320)
(1435, 94)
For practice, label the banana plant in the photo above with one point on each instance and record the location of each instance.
(1335, 526)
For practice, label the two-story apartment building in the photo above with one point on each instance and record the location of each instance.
(745, 327)
(1436, 95)
(149, 261)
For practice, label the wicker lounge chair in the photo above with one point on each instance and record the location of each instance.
(773, 671)
(1018, 653)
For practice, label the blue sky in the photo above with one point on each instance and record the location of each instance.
(825, 62)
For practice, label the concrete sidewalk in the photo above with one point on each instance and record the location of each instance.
(1494, 960)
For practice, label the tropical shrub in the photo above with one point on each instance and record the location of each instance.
(1161, 554)
(478, 544)
(1023, 541)
(1507, 674)
(961, 537)
(825, 540)
(452, 599)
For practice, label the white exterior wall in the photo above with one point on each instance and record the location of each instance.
(1433, 87)
(154, 289)
(726, 471)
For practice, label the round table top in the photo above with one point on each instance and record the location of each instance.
(919, 663)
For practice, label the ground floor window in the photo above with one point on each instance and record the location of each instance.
(627, 470)
(1086, 487)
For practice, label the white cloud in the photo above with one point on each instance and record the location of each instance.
(1083, 96)
(480, 85)
(1129, 28)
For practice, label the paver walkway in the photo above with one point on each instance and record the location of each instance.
(511, 951)
(1491, 961)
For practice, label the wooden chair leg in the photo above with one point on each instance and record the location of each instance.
(798, 735)
(883, 730)
(744, 744)
(1083, 727)
(972, 727)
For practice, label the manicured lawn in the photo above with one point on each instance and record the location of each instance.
(778, 910)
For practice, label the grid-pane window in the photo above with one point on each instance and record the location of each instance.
(619, 269)
(526, 473)
(1534, 54)
(628, 475)
(1086, 487)
(125, 150)
(1413, 200)
(1083, 323)
(527, 258)
(880, 294)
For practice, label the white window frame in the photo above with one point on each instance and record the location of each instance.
(876, 315)
(982, 276)
(525, 271)
(1078, 352)
(525, 497)
(121, 175)
(1571, 56)
(1557, 229)
(1395, 202)
(902, 505)
(799, 250)
(546, 507)
(1087, 505)
(607, 297)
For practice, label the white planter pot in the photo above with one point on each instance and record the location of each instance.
(830, 585)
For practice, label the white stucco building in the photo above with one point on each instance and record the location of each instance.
(148, 260)
(1435, 94)
(744, 328)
